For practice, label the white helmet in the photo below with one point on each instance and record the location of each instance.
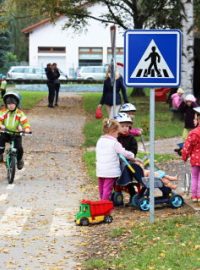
(127, 107)
(123, 117)
(190, 97)
(197, 110)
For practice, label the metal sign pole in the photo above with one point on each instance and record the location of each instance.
(113, 66)
(152, 137)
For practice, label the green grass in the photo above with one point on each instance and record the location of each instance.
(171, 244)
(31, 98)
(164, 127)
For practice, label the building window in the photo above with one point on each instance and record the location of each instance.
(51, 49)
(119, 54)
(90, 56)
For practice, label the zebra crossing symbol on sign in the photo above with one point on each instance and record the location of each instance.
(152, 58)
(152, 64)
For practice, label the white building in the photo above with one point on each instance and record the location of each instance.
(50, 43)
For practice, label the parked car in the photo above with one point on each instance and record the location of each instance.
(92, 73)
(29, 73)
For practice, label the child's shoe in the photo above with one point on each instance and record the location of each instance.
(20, 164)
(194, 199)
(178, 151)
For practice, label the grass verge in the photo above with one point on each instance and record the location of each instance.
(31, 98)
(171, 244)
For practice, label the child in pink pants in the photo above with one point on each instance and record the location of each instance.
(107, 159)
(191, 149)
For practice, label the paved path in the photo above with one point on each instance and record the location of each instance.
(37, 229)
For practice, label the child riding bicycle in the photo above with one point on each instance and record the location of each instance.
(13, 119)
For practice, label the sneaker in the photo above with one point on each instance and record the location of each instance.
(194, 199)
(178, 151)
(20, 164)
(1, 158)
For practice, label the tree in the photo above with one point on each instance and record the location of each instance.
(4, 36)
(17, 15)
(188, 47)
(127, 14)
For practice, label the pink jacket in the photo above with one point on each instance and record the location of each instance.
(176, 100)
(192, 147)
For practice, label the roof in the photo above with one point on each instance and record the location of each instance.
(32, 27)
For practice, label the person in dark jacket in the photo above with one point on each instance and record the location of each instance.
(107, 96)
(130, 144)
(186, 108)
(56, 82)
(50, 83)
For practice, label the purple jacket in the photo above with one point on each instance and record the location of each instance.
(188, 114)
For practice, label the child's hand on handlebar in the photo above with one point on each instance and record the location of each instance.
(2, 127)
(27, 130)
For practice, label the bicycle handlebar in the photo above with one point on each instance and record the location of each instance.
(15, 133)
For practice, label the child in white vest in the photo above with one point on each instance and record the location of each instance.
(107, 159)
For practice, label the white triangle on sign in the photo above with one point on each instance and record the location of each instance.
(145, 63)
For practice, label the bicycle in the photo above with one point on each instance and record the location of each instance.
(11, 154)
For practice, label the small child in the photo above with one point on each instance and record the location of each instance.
(130, 109)
(3, 86)
(107, 159)
(191, 149)
(177, 98)
(13, 119)
(186, 108)
(130, 144)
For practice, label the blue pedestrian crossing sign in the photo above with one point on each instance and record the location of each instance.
(152, 58)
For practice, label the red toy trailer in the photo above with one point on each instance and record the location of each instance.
(94, 212)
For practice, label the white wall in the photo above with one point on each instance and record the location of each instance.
(52, 35)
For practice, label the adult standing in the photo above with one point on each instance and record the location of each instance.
(50, 83)
(56, 82)
(107, 96)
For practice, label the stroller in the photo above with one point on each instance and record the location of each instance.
(132, 174)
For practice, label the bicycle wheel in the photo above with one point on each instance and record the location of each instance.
(11, 168)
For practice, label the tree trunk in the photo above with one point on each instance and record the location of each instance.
(188, 48)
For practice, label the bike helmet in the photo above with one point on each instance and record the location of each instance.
(197, 110)
(127, 107)
(123, 117)
(190, 97)
(11, 97)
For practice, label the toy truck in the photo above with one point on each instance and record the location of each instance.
(94, 212)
